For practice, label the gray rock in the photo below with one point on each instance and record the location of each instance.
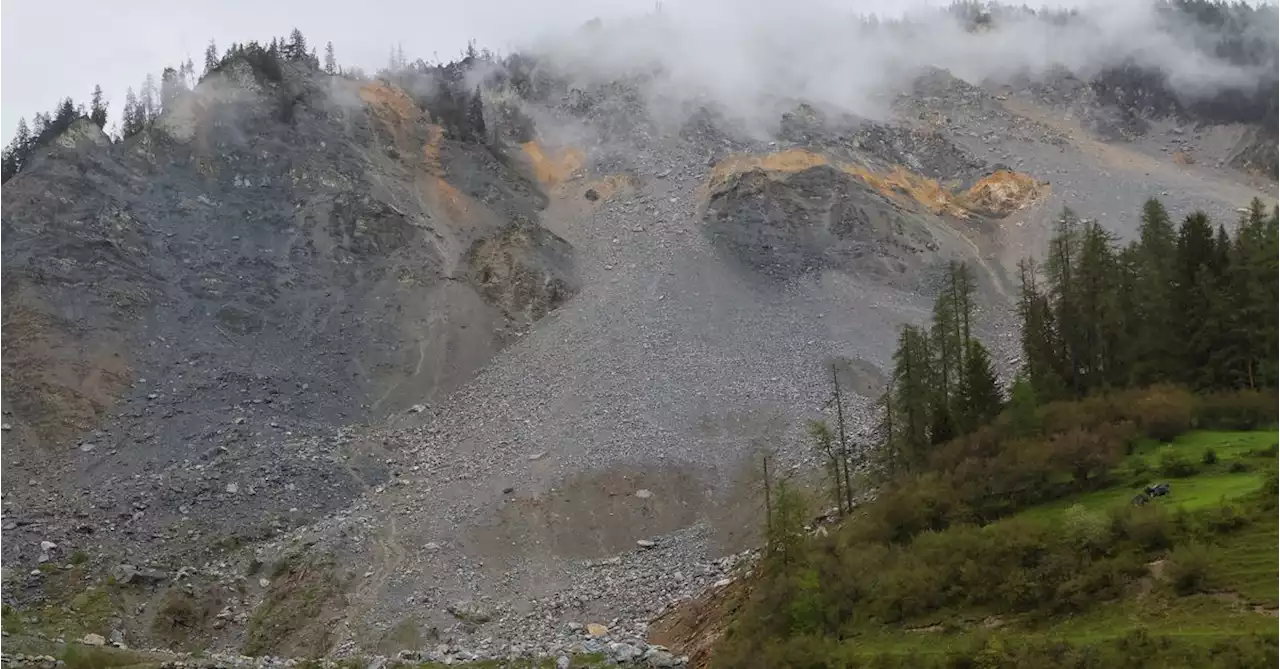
(659, 657)
(562, 662)
(623, 652)
(127, 573)
(93, 640)
(470, 611)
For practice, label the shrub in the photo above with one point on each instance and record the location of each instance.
(1268, 452)
(1138, 468)
(1238, 467)
(1269, 496)
(1175, 464)
(1164, 413)
(1224, 518)
(1149, 527)
(1241, 410)
(1188, 569)
(1210, 457)
(1085, 528)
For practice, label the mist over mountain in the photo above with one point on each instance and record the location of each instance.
(445, 360)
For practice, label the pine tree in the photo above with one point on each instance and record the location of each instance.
(912, 405)
(1063, 256)
(785, 530)
(475, 116)
(825, 443)
(1193, 295)
(1020, 414)
(296, 47)
(98, 108)
(148, 99)
(1042, 356)
(980, 400)
(1154, 317)
(170, 88)
(22, 135)
(210, 57)
(330, 63)
(133, 117)
(1101, 324)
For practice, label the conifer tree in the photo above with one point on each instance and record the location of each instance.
(148, 100)
(912, 405)
(980, 399)
(98, 108)
(330, 63)
(1155, 336)
(210, 57)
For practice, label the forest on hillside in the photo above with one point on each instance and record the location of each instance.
(1124, 346)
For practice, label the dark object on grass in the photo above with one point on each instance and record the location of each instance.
(1157, 489)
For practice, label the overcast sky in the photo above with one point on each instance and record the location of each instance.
(50, 50)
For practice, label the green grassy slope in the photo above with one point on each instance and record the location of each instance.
(1243, 572)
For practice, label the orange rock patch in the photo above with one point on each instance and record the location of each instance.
(996, 195)
(553, 169)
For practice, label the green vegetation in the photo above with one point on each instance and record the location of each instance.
(296, 617)
(1023, 533)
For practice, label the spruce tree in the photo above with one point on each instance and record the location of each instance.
(1155, 338)
(1060, 265)
(330, 63)
(912, 399)
(296, 47)
(1193, 295)
(1042, 356)
(210, 57)
(980, 399)
(170, 88)
(98, 108)
(148, 100)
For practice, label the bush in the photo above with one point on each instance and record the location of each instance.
(1210, 457)
(1175, 464)
(1138, 468)
(1270, 491)
(1223, 519)
(1188, 570)
(1268, 452)
(1149, 527)
(1238, 467)
(1164, 413)
(1241, 410)
(1085, 528)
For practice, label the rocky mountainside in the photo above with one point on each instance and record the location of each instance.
(228, 279)
(462, 359)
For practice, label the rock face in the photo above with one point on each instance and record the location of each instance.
(787, 224)
(271, 258)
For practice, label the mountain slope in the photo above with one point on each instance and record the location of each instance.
(290, 263)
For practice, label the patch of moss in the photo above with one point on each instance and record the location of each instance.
(296, 617)
(406, 635)
(182, 617)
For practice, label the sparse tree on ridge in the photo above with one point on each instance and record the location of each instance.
(149, 99)
(98, 108)
(210, 57)
(330, 63)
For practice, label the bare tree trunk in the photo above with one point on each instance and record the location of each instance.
(768, 505)
(842, 466)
